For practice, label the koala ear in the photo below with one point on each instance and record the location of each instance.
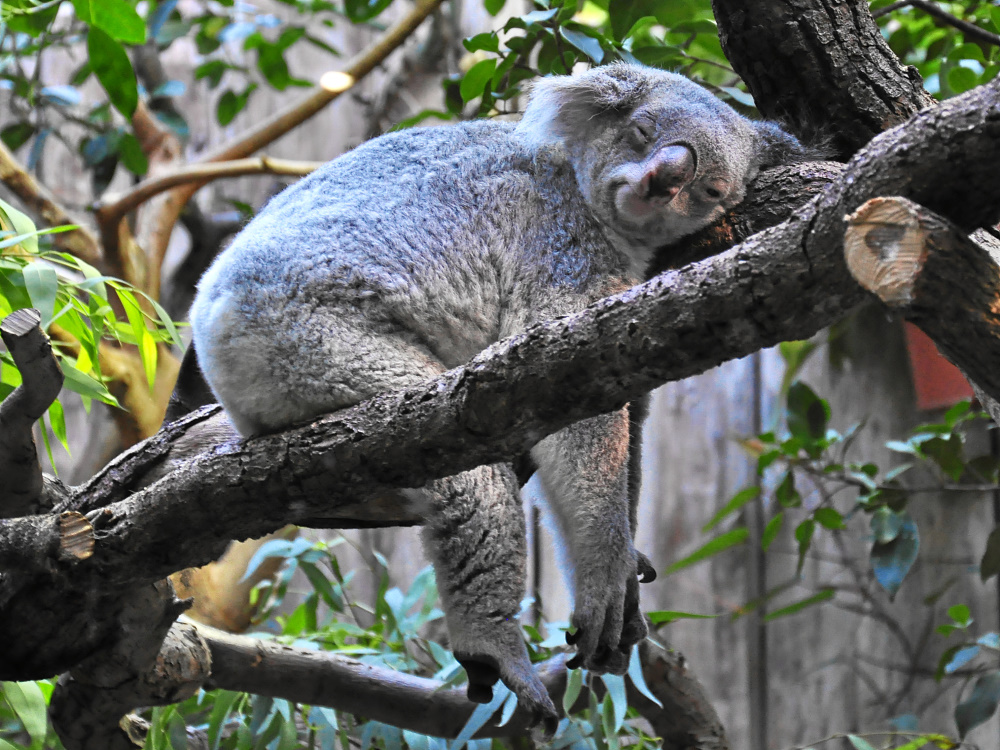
(776, 147)
(566, 108)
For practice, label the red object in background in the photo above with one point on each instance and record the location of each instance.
(937, 381)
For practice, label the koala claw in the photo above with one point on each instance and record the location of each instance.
(609, 627)
(484, 670)
(647, 573)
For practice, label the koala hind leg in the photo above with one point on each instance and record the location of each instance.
(474, 534)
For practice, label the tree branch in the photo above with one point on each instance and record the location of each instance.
(39, 200)
(923, 266)
(42, 379)
(200, 174)
(822, 68)
(784, 283)
(970, 30)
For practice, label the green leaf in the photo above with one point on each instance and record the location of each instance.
(133, 158)
(608, 723)
(961, 614)
(574, 683)
(223, 706)
(791, 609)
(474, 82)
(111, 65)
(892, 561)
(795, 354)
(803, 535)
(738, 500)
(967, 51)
(637, 678)
(118, 18)
(808, 414)
(586, 44)
(488, 41)
(493, 6)
(85, 385)
(15, 221)
(771, 531)
(989, 566)
(16, 135)
(786, 494)
(478, 718)
(624, 14)
(272, 65)
(28, 702)
(714, 546)
(961, 79)
(616, 690)
(980, 705)
(231, 104)
(42, 284)
(57, 420)
(886, 524)
(960, 658)
(829, 518)
(947, 453)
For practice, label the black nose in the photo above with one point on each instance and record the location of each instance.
(670, 169)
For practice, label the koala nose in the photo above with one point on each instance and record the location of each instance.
(669, 170)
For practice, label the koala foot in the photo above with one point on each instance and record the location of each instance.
(607, 620)
(647, 573)
(506, 659)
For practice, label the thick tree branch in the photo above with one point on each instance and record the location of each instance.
(42, 379)
(81, 242)
(923, 266)
(821, 67)
(784, 283)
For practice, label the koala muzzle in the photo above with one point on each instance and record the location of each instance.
(668, 170)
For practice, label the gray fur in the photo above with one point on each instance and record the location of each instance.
(417, 250)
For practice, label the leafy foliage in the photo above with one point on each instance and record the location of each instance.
(395, 633)
(78, 309)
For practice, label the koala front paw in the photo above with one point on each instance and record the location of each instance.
(607, 619)
(505, 658)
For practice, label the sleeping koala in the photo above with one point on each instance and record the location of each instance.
(415, 251)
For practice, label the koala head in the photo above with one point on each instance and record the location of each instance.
(656, 156)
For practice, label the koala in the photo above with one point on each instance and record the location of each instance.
(415, 251)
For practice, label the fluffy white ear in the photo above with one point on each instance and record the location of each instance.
(564, 108)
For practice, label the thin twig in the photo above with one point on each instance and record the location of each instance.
(200, 174)
(969, 29)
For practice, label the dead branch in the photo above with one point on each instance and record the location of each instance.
(41, 381)
(926, 268)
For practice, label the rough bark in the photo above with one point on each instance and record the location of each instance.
(821, 66)
(32, 353)
(786, 282)
(924, 267)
